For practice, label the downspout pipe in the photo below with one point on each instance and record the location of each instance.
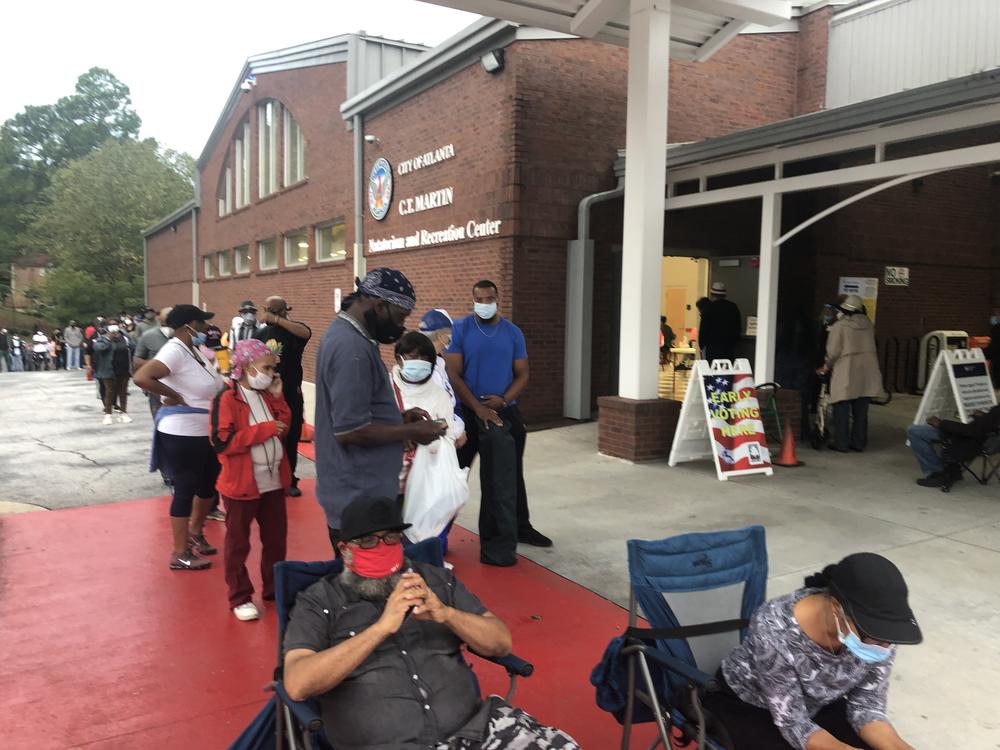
(580, 308)
(359, 197)
(195, 287)
(145, 271)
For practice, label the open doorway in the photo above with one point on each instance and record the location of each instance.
(685, 280)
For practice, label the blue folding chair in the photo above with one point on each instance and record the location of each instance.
(300, 723)
(697, 592)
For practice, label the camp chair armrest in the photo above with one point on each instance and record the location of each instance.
(304, 711)
(674, 665)
(514, 665)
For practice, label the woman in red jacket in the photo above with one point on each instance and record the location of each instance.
(248, 420)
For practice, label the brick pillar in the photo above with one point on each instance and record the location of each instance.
(636, 430)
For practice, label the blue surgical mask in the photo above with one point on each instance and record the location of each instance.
(416, 370)
(485, 310)
(993, 320)
(869, 653)
(198, 338)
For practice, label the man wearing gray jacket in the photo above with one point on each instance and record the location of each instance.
(73, 336)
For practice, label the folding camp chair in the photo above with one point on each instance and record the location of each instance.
(989, 454)
(697, 592)
(299, 723)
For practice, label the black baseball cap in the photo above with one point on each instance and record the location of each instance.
(248, 306)
(367, 515)
(874, 595)
(184, 314)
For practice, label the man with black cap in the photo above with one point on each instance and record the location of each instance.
(245, 324)
(288, 338)
(359, 430)
(813, 672)
(719, 332)
(380, 646)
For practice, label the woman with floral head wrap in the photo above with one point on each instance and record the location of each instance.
(248, 420)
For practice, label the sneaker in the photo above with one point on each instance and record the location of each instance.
(108, 419)
(199, 544)
(124, 418)
(534, 537)
(294, 491)
(188, 560)
(216, 515)
(246, 612)
(937, 479)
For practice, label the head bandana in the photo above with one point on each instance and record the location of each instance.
(390, 285)
(245, 352)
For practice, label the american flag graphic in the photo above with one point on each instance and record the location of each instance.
(737, 428)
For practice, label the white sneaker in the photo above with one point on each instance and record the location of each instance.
(124, 418)
(108, 419)
(246, 611)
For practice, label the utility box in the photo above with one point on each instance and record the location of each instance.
(931, 345)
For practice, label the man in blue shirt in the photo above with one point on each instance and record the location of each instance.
(488, 366)
(359, 430)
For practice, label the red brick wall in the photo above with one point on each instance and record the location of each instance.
(169, 265)
(813, 46)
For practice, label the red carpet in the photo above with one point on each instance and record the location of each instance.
(104, 647)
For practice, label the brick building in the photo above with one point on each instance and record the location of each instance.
(493, 139)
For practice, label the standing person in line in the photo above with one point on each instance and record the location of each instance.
(5, 349)
(17, 353)
(248, 421)
(58, 349)
(112, 365)
(146, 349)
(719, 332)
(40, 349)
(148, 322)
(245, 324)
(488, 366)
(181, 443)
(855, 377)
(359, 429)
(73, 338)
(289, 339)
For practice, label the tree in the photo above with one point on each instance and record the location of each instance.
(96, 208)
(41, 139)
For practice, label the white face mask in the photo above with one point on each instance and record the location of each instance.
(259, 381)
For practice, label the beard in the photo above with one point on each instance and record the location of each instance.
(369, 589)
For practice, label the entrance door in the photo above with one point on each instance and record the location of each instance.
(675, 302)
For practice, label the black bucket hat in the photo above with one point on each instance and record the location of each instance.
(367, 515)
(874, 595)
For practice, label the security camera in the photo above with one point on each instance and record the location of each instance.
(246, 86)
(372, 139)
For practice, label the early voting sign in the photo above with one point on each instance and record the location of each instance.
(720, 419)
(958, 385)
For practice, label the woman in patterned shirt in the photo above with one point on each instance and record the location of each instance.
(813, 671)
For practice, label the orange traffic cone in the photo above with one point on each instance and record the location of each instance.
(787, 457)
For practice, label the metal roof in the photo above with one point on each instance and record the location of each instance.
(166, 221)
(697, 27)
(907, 105)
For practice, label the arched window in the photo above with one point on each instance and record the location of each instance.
(294, 151)
(224, 193)
(241, 164)
(267, 147)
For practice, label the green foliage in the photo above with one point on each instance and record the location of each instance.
(95, 210)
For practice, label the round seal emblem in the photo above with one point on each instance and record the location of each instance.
(380, 189)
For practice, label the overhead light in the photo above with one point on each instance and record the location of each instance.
(372, 139)
(304, 244)
(493, 61)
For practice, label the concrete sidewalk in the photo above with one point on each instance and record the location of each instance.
(947, 545)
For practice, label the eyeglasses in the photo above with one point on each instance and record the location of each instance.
(390, 539)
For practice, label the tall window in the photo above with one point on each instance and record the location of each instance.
(267, 145)
(225, 258)
(225, 192)
(244, 261)
(294, 152)
(241, 157)
(330, 244)
(296, 249)
(209, 266)
(267, 255)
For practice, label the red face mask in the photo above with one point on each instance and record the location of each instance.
(379, 562)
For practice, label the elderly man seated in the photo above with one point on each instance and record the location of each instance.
(380, 646)
(965, 441)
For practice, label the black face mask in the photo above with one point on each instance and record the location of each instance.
(384, 331)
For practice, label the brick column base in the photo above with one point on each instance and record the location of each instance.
(636, 430)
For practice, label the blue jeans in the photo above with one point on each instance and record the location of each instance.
(72, 358)
(922, 438)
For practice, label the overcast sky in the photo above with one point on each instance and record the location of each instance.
(182, 58)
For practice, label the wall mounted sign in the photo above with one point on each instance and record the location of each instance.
(426, 160)
(471, 230)
(863, 286)
(380, 189)
(427, 201)
(897, 276)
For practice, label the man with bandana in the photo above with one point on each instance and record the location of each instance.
(359, 430)
(379, 645)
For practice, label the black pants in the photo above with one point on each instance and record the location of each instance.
(850, 424)
(191, 463)
(503, 508)
(752, 728)
(294, 434)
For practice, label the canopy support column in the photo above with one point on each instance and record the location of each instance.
(767, 287)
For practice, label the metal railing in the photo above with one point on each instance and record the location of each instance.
(898, 358)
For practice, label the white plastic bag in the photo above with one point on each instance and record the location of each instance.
(436, 489)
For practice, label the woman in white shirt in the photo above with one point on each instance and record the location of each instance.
(186, 384)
